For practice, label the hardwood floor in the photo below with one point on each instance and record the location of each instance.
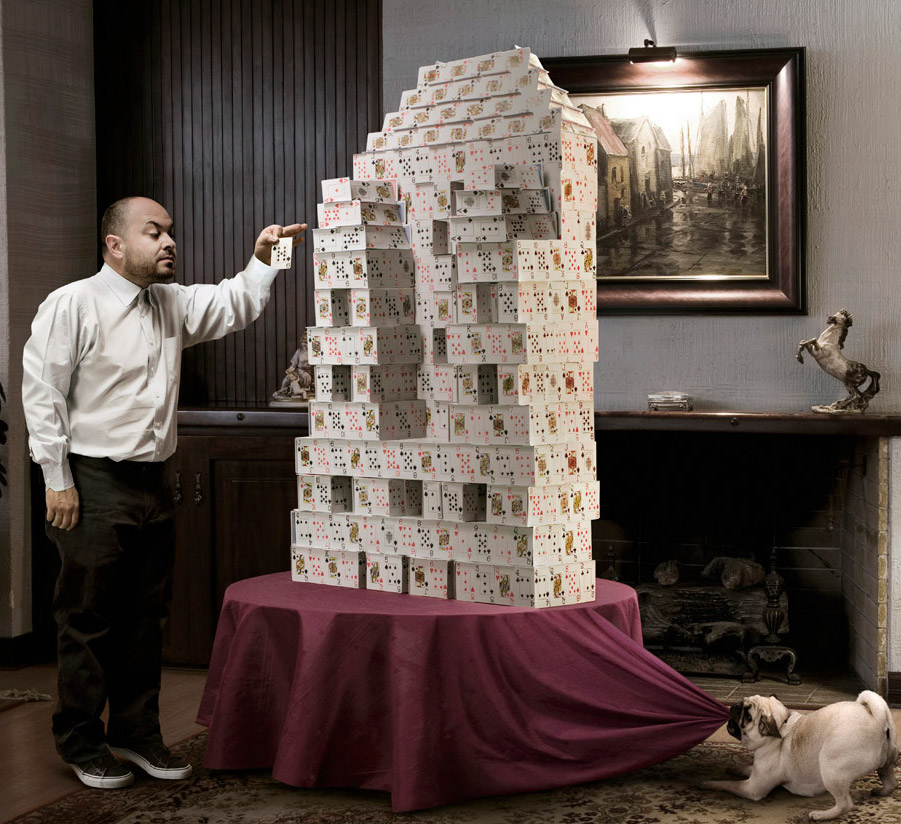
(33, 773)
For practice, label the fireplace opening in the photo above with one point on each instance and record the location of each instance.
(815, 506)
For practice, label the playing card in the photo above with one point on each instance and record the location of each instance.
(360, 212)
(345, 189)
(432, 578)
(281, 253)
(370, 268)
(387, 573)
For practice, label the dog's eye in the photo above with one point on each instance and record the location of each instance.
(747, 716)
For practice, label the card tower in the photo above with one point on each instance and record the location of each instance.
(451, 449)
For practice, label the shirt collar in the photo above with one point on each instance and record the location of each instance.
(121, 287)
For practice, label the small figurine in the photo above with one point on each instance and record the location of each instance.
(297, 385)
(827, 351)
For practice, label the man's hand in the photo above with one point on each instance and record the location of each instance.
(62, 508)
(272, 234)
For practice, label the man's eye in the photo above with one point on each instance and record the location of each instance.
(154, 235)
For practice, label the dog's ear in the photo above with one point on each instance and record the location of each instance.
(768, 726)
(779, 712)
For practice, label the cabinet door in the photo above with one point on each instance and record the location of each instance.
(234, 496)
(189, 635)
(252, 529)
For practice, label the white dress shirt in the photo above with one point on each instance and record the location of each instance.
(102, 365)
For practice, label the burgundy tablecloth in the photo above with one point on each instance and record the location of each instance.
(439, 701)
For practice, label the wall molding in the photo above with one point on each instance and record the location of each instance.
(25, 651)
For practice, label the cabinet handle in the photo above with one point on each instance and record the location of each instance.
(178, 493)
(198, 490)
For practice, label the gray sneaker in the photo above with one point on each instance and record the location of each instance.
(155, 759)
(103, 773)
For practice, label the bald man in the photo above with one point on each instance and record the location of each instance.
(100, 391)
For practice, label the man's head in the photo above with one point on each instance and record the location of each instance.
(139, 241)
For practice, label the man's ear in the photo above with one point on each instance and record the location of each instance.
(114, 247)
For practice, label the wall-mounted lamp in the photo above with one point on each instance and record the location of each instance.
(651, 53)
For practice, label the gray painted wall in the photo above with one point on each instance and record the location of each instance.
(854, 204)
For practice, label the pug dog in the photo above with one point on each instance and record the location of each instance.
(823, 751)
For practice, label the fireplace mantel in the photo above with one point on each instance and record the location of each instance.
(776, 423)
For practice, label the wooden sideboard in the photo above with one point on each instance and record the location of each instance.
(235, 485)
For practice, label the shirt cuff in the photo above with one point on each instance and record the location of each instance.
(259, 271)
(58, 478)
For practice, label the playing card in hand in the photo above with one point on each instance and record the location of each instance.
(281, 253)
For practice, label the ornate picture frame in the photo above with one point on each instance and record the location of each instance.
(716, 223)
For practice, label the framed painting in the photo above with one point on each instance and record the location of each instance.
(701, 180)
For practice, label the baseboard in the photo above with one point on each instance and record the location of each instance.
(894, 689)
(25, 650)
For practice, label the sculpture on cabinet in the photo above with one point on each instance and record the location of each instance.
(297, 385)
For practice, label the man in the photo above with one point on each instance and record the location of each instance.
(100, 391)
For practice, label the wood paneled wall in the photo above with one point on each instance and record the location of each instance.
(230, 113)
(47, 202)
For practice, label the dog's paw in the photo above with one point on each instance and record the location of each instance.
(881, 792)
(832, 812)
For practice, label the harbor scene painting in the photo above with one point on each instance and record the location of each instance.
(682, 183)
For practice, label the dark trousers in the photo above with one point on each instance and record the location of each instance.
(111, 604)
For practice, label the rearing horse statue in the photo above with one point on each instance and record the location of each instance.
(827, 351)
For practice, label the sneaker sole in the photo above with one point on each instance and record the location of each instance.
(103, 783)
(132, 757)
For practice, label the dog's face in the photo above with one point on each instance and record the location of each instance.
(756, 720)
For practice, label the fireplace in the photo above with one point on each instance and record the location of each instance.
(819, 503)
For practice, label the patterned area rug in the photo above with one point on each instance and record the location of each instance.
(12, 698)
(664, 794)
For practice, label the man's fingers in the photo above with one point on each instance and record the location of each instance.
(62, 519)
(295, 230)
(58, 518)
(71, 520)
(68, 520)
(271, 235)
(275, 232)
(63, 508)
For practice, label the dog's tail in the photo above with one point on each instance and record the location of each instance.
(877, 707)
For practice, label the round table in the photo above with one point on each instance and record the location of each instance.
(439, 701)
